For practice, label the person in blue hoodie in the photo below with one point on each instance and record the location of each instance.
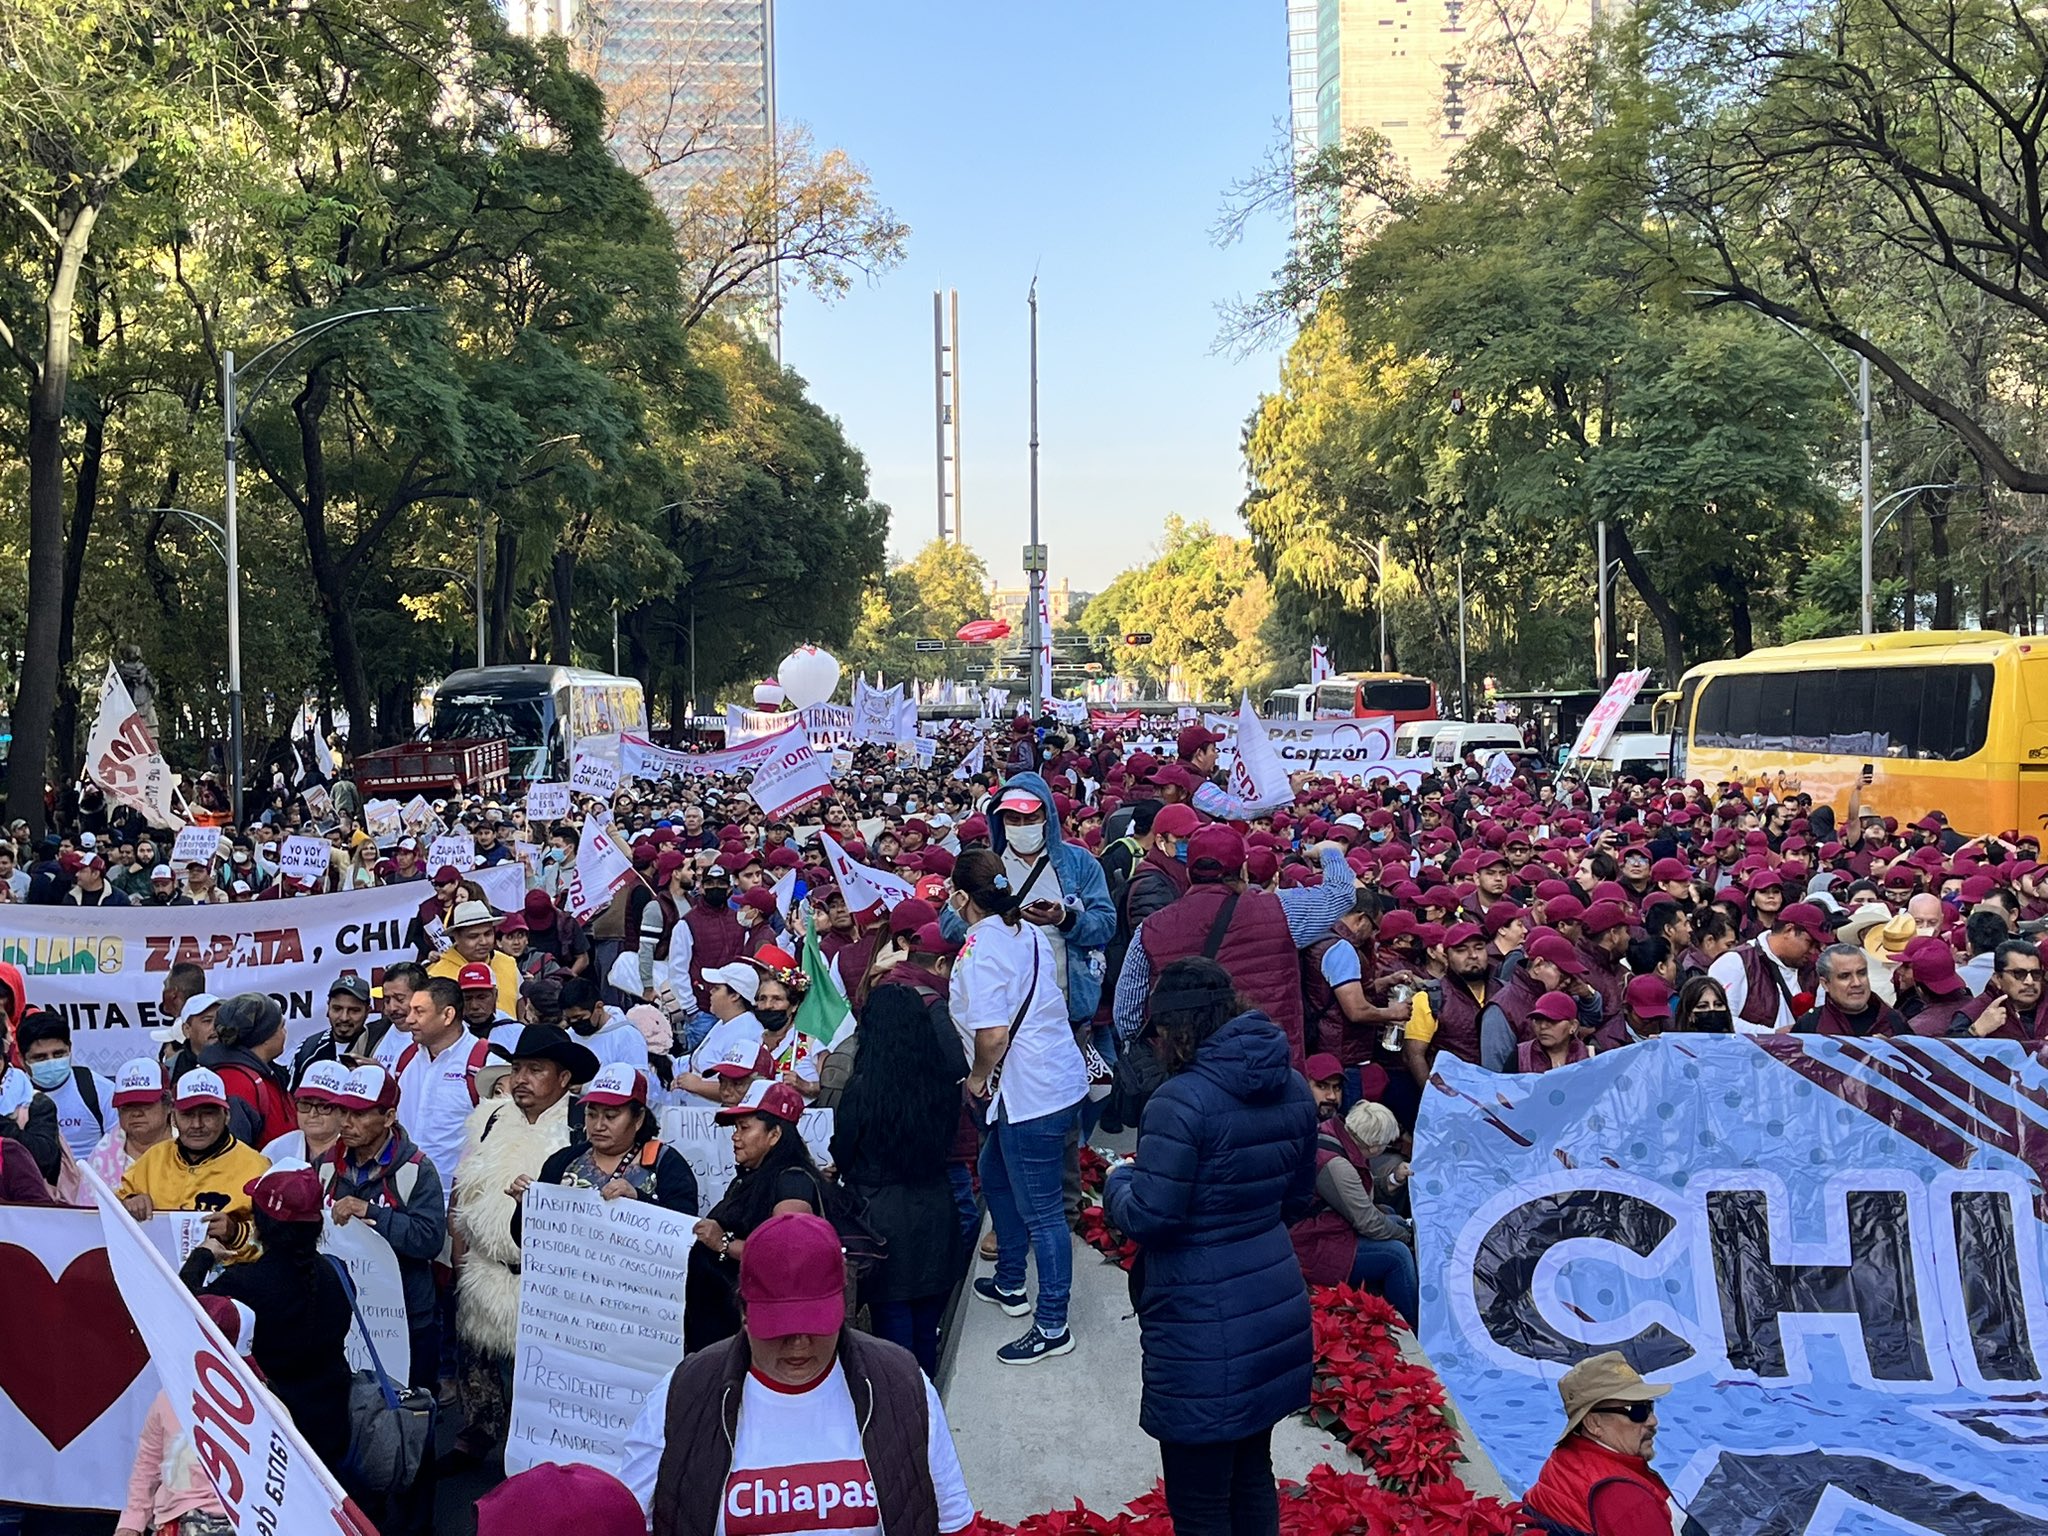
(1225, 1164)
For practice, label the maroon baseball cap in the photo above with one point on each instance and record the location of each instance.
(1934, 966)
(1215, 852)
(793, 1276)
(1499, 915)
(1176, 821)
(1461, 933)
(1648, 995)
(476, 977)
(1602, 916)
(1809, 920)
(1193, 738)
(1670, 869)
(1321, 1067)
(1554, 1005)
(778, 1101)
(290, 1194)
(1549, 945)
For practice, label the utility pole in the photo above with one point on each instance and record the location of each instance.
(1464, 687)
(946, 410)
(1034, 552)
(1869, 533)
(1600, 615)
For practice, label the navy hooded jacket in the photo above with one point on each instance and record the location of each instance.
(1226, 1163)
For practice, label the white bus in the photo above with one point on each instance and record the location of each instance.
(544, 713)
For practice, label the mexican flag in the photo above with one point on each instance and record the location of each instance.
(824, 1010)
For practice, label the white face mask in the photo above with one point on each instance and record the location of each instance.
(1028, 839)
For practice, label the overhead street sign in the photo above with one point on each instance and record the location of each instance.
(927, 647)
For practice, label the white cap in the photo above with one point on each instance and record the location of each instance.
(743, 979)
(324, 1080)
(1350, 819)
(617, 1083)
(88, 840)
(200, 1086)
(162, 872)
(197, 1004)
(140, 1081)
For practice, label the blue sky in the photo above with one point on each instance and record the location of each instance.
(1093, 142)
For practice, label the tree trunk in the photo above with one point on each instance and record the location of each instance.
(1740, 633)
(85, 492)
(330, 579)
(504, 580)
(35, 700)
(1938, 557)
(561, 596)
(1653, 599)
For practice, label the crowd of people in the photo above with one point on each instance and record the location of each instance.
(1093, 934)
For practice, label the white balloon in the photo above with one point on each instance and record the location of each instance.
(768, 694)
(808, 676)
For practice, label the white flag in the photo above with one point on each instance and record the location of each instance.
(865, 889)
(1257, 777)
(1319, 666)
(1044, 648)
(974, 762)
(124, 761)
(602, 866)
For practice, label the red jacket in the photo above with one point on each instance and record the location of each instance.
(1586, 1488)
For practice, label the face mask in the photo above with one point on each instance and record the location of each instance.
(772, 1019)
(888, 797)
(1377, 837)
(1180, 849)
(1029, 838)
(50, 1073)
(1711, 1018)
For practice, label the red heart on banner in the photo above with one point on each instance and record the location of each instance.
(68, 1349)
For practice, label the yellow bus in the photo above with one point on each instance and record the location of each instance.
(1955, 721)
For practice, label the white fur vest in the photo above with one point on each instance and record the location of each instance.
(498, 1145)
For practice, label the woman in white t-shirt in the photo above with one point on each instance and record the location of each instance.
(799, 1424)
(1012, 1019)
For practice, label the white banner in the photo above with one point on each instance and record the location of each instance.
(827, 725)
(305, 858)
(874, 711)
(790, 780)
(1351, 748)
(547, 802)
(456, 848)
(380, 1296)
(591, 774)
(602, 866)
(503, 885)
(1500, 769)
(643, 760)
(1257, 776)
(195, 845)
(70, 1433)
(103, 968)
(600, 1322)
(707, 1146)
(381, 817)
(1606, 716)
(264, 1473)
(974, 762)
(865, 889)
(1319, 666)
(122, 759)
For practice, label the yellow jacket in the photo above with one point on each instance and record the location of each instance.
(213, 1184)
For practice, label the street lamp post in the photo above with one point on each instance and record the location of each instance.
(1377, 554)
(231, 412)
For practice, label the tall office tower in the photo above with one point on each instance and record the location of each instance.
(691, 86)
(1415, 70)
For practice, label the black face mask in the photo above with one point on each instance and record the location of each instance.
(772, 1019)
(1712, 1020)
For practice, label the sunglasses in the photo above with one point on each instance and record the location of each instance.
(1635, 1413)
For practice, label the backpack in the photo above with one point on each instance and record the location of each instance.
(89, 1091)
(395, 1187)
(479, 1053)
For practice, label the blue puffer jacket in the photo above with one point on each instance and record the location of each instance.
(1091, 914)
(1226, 1163)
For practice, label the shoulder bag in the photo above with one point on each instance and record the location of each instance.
(1138, 1071)
(390, 1424)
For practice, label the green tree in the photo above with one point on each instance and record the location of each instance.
(943, 586)
(1203, 602)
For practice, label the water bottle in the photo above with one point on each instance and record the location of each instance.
(1390, 1037)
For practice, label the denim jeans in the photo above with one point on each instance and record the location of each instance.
(1021, 1181)
(961, 1177)
(914, 1325)
(695, 1031)
(1388, 1266)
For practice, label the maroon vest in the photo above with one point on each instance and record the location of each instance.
(1531, 1057)
(716, 939)
(1457, 1021)
(1324, 1026)
(1324, 1240)
(1258, 950)
(1760, 1007)
(1516, 999)
(1606, 978)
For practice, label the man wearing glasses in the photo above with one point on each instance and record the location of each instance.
(2011, 1010)
(1599, 1482)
